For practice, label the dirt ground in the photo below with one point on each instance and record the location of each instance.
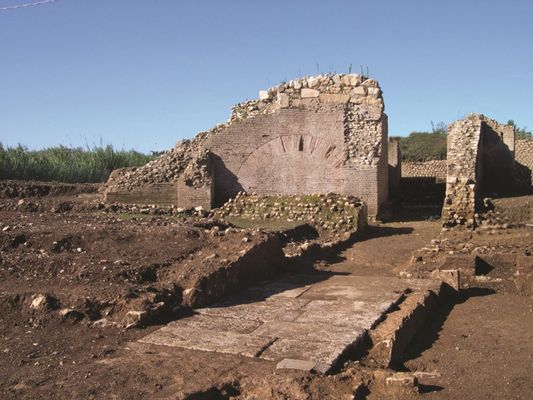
(71, 272)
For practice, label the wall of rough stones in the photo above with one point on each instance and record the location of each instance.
(480, 160)
(524, 162)
(424, 169)
(463, 171)
(312, 135)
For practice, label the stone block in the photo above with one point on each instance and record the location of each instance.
(313, 81)
(283, 100)
(318, 352)
(309, 93)
(301, 365)
(200, 339)
(273, 310)
(451, 277)
(314, 332)
(402, 379)
(374, 91)
(263, 95)
(334, 98)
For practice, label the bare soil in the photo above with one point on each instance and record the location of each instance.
(99, 266)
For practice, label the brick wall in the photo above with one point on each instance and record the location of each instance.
(312, 135)
(290, 152)
(154, 193)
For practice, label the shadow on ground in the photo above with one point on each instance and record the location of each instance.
(431, 331)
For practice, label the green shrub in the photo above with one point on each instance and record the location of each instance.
(423, 146)
(65, 164)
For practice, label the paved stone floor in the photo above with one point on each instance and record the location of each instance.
(304, 321)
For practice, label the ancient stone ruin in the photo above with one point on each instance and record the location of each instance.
(480, 159)
(319, 134)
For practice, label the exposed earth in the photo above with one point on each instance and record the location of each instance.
(81, 284)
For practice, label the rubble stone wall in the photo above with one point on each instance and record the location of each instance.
(312, 135)
(424, 169)
(480, 160)
(524, 162)
(463, 171)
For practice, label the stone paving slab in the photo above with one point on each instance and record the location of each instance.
(298, 318)
(325, 353)
(209, 340)
(274, 290)
(364, 288)
(217, 323)
(317, 332)
(345, 314)
(280, 309)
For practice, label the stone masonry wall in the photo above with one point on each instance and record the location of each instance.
(424, 169)
(312, 135)
(480, 161)
(524, 162)
(463, 171)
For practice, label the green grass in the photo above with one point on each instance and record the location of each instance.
(63, 164)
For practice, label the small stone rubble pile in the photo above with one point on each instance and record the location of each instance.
(188, 159)
(506, 213)
(324, 212)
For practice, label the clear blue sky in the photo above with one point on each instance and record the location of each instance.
(144, 73)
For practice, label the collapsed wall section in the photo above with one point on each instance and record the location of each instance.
(312, 135)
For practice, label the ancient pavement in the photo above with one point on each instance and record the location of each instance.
(301, 321)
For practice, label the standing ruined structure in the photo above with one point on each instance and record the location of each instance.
(480, 160)
(319, 134)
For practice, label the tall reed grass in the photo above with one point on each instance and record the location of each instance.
(65, 164)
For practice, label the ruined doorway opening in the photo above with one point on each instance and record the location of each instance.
(422, 197)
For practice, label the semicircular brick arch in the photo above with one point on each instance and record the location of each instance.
(293, 164)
